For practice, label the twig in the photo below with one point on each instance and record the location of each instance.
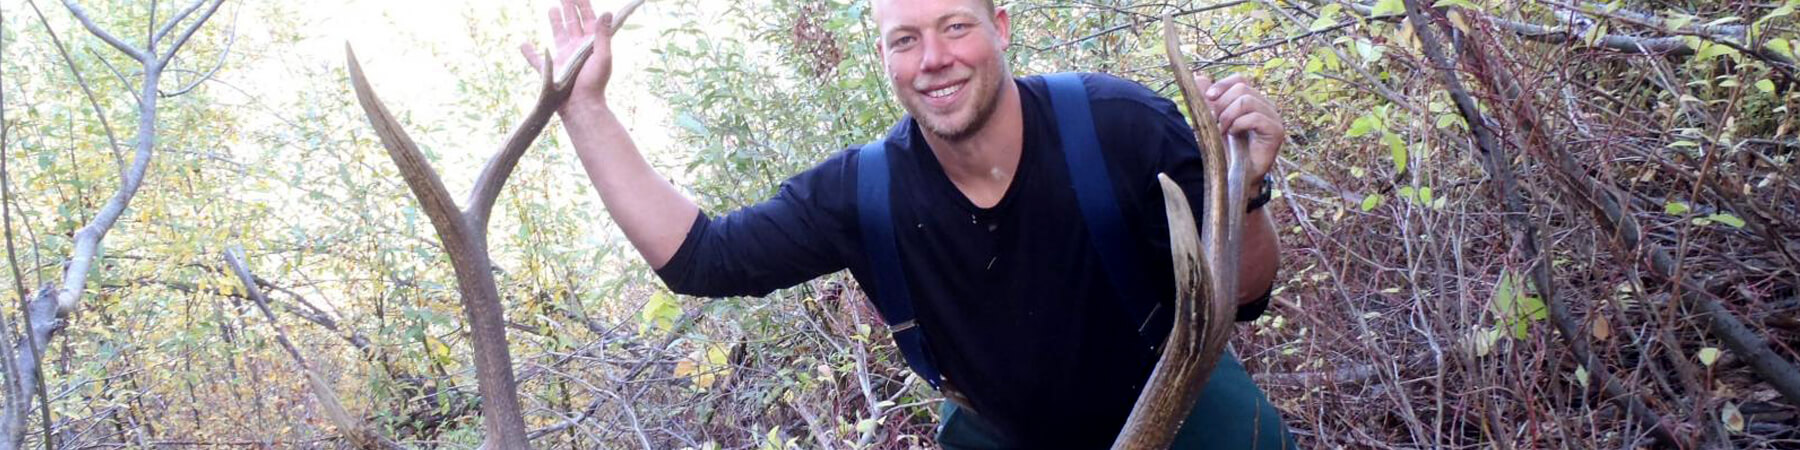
(230, 41)
(1370, 78)
(360, 434)
(1116, 28)
(1499, 165)
(81, 16)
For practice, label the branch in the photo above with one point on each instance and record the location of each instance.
(1607, 210)
(1380, 87)
(81, 15)
(116, 74)
(358, 433)
(230, 41)
(1499, 166)
(188, 32)
(1116, 28)
(157, 36)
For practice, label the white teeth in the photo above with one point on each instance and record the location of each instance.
(945, 92)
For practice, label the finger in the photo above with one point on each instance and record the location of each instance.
(1222, 86)
(1235, 110)
(604, 26)
(557, 29)
(1202, 83)
(572, 18)
(1231, 98)
(1266, 133)
(586, 10)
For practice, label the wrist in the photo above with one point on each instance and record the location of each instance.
(584, 111)
(1258, 191)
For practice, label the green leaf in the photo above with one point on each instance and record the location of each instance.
(1766, 86)
(1782, 47)
(1727, 219)
(1679, 21)
(1581, 376)
(1708, 356)
(1675, 208)
(1370, 202)
(1464, 4)
(1710, 50)
(1385, 7)
(1363, 125)
(659, 312)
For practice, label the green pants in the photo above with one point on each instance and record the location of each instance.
(1232, 413)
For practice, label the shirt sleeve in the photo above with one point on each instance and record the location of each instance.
(801, 233)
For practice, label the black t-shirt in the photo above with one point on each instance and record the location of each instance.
(1013, 299)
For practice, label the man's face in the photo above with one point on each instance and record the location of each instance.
(945, 60)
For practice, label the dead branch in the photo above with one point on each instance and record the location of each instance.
(360, 434)
(1498, 164)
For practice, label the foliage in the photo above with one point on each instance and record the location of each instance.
(1404, 316)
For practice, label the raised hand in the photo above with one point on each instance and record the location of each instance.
(572, 25)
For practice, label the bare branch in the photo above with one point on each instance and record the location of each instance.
(358, 433)
(81, 15)
(231, 40)
(157, 36)
(1498, 164)
(187, 33)
(116, 74)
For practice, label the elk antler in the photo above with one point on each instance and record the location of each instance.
(464, 231)
(1205, 273)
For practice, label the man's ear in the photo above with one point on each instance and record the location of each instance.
(1003, 24)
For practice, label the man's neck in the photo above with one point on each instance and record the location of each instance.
(982, 165)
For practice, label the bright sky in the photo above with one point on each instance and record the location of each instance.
(388, 34)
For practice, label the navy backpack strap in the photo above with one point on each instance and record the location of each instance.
(1094, 192)
(892, 296)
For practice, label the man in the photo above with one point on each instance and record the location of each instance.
(1023, 322)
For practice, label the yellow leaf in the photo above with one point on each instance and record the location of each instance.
(1602, 328)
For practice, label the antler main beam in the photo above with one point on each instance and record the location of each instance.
(1205, 273)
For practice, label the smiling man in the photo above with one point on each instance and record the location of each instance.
(971, 224)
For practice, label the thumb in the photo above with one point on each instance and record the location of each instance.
(603, 26)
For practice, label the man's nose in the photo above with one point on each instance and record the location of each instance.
(937, 54)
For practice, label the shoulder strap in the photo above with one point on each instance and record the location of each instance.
(1094, 192)
(892, 297)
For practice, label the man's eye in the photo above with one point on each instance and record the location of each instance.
(901, 41)
(955, 27)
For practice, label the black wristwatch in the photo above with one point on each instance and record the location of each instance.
(1263, 196)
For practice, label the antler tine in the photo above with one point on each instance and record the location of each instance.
(417, 171)
(1205, 281)
(554, 93)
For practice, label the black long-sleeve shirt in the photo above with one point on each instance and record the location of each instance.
(1016, 306)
